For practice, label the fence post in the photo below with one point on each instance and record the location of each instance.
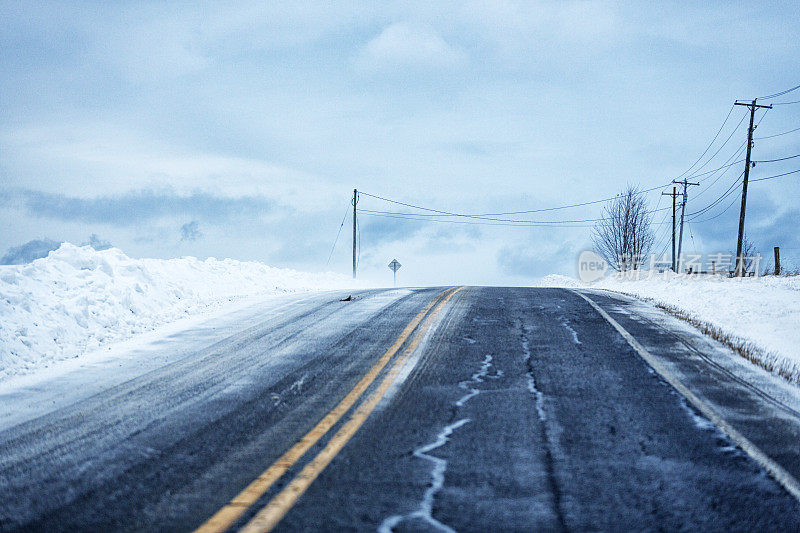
(777, 261)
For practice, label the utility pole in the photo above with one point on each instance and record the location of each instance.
(674, 195)
(355, 201)
(739, 259)
(685, 184)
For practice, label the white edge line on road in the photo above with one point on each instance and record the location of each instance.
(775, 470)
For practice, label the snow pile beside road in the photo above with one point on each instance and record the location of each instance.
(763, 312)
(557, 280)
(77, 299)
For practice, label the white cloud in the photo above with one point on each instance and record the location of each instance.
(407, 47)
(92, 158)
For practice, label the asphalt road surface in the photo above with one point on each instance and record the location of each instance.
(437, 409)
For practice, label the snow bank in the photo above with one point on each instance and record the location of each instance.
(77, 299)
(557, 280)
(764, 312)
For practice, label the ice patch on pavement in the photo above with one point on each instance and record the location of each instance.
(701, 422)
(763, 311)
(425, 511)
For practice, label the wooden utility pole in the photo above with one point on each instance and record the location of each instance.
(777, 261)
(739, 259)
(685, 184)
(674, 195)
(355, 201)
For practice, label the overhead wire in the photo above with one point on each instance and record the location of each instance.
(781, 93)
(483, 215)
(776, 135)
(470, 222)
(727, 192)
(430, 212)
(337, 236)
(720, 198)
(440, 216)
(776, 176)
(735, 129)
(779, 159)
(709, 144)
(718, 214)
(665, 233)
(725, 167)
(510, 220)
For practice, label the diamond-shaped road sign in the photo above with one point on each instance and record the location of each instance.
(395, 266)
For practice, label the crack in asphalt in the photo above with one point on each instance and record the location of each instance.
(476, 378)
(425, 511)
(542, 415)
(565, 323)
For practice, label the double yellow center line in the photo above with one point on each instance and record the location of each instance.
(279, 505)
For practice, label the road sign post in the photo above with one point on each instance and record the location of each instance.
(395, 266)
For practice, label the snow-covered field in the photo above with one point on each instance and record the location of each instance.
(78, 299)
(762, 312)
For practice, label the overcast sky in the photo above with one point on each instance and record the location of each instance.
(236, 130)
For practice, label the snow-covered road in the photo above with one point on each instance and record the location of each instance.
(761, 315)
(363, 405)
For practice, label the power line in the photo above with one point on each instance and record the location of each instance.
(722, 174)
(484, 215)
(777, 134)
(511, 220)
(720, 198)
(691, 234)
(418, 218)
(776, 176)
(733, 202)
(722, 146)
(726, 165)
(774, 160)
(727, 168)
(555, 225)
(514, 221)
(337, 235)
(716, 180)
(787, 103)
(779, 94)
(709, 144)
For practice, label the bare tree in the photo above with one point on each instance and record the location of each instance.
(624, 236)
(749, 253)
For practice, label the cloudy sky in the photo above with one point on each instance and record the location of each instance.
(236, 130)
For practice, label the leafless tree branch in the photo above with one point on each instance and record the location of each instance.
(624, 237)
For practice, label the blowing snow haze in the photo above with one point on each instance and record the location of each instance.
(241, 130)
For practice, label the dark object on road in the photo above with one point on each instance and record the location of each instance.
(348, 299)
